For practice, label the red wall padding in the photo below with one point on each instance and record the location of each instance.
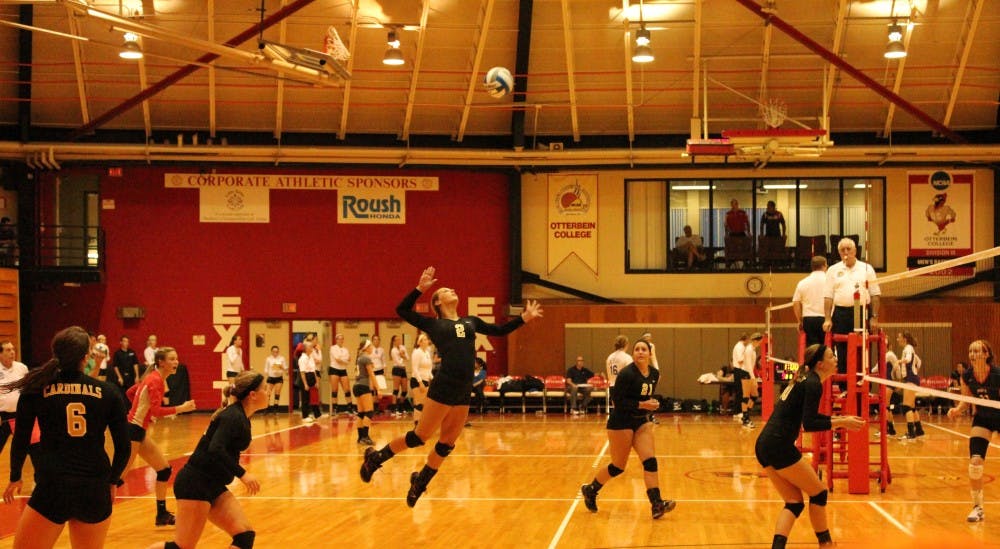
(160, 257)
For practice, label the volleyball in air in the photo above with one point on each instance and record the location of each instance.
(498, 82)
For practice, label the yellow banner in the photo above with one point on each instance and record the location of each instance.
(572, 228)
(234, 205)
(306, 182)
(371, 206)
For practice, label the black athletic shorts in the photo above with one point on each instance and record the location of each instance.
(84, 499)
(450, 392)
(337, 372)
(275, 380)
(399, 371)
(136, 433)
(362, 389)
(774, 452)
(230, 374)
(993, 424)
(414, 383)
(193, 484)
(622, 421)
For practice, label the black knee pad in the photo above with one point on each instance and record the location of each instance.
(369, 414)
(334, 396)
(412, 440)
(244, 540)
(395, 392)
(649, 465)
(349, 393)
(746, 400)
(419, 407)
(171, 545)
(906, 409)
(614, 470)
(163, 475)
(819, 499)
(796, 508)
(978, 447)
(443, 449)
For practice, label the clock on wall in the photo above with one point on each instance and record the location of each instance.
(755, 285)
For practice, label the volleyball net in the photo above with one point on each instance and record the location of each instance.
(905, 301)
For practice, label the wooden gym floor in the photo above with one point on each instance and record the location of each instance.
(513, 481)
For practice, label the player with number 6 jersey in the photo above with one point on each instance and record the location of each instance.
(75, 480)
(450, 392)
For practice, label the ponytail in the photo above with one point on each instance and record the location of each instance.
(70, 346)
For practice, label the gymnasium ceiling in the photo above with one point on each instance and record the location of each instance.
(195, 98)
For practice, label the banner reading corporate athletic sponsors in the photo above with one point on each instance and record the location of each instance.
(940, 217)
(572, 227)
(244, 198)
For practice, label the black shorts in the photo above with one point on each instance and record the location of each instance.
(136, 433)
(230, 374)
(275, 380)
(993, 424)
(450, 392)
(774, 452)
(399, 371)
(620, 422)
(739, 375)
(414, 383)
(83, 499)
(337, 372)
(192, 484)
(362, 389)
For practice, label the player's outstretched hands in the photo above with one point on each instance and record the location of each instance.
(532, 310)
(188, 406)
(426, 280)
(250, 482)
(12, 490)
(954, 412)
(851, 423)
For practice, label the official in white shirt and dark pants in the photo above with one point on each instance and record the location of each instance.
(808, 303)
(843, 279)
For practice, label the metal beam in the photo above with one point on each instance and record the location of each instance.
(415, 75)
(212, 113)
(765, 56)
(570, 70)
(521, 58)
(830, 81)
(279, 96)
(185, 71)
(826, 54)
(143, 84)
(345, 105)
(897, 83)
(971, 24)
(487, 17)
(81, 83)
(696, 74)
(26, 15)
(627, 38)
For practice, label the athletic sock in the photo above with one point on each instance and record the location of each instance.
(920, 428)
(362, 433)
(779, 542)
(426, 474)
(596, 486)
(161, 506)
(911, 429)
(977, 497)
(823, 537)
(653, 494)
(384, 454)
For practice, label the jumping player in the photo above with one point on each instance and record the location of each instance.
(982, 380)
(629, 428)
(200, 486)
(75, 480)
(147, 404)
(447, 404)
(783, 464)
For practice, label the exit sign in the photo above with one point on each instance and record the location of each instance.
(115, 172)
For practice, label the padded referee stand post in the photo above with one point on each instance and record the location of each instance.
(766, 381)
(802, 347)
(858, 453)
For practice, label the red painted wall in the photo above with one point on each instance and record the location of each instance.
(160, 257)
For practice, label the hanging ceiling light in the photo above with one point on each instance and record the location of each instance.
(131, 48)
(392, 55)
(643, 52)
(895, 49)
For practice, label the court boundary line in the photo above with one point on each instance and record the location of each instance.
(892, 520)
(576, 501)
(576, 498)
(956, 433)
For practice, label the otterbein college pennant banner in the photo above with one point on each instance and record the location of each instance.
(572, 227)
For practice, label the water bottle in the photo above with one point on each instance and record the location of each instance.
(857, 307)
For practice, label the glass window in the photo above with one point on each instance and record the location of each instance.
(688, 199)
(645, 225)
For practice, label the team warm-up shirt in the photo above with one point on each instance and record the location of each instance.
(378, 360)
(73, 413)
(989, 389)
(616, 362)
(798, 405)
(8, 400)
(455, 339)
(274, 366)
(631, 388)
(234, 356)
(218, 451)
(363, 362)
(147, 400)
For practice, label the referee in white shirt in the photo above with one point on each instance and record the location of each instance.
(842, 279)
(808, 302)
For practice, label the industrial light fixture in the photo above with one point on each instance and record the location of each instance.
(392, 55)
(131, 48)
(895, 48)
(643, 52)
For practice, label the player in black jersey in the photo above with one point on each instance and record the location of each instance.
(630, 427)
(798, 407)
(75, 480)
(200, 486)
(447, 404)
(982, 380)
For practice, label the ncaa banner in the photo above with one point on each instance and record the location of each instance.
(572, 226)
(234, 205)
(940, 217)
(372, 206)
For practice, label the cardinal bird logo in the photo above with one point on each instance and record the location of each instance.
(572, 199)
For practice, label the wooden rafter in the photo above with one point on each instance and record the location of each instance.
(570, 69)
(972, 17)
(81, 85)
(765, 58)
(696, 74)
(484, 28)
(212, 113)
(830, 79)
(415, 75)
(627, 37)
(897, 82)
(279, 97)
(353, 40)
